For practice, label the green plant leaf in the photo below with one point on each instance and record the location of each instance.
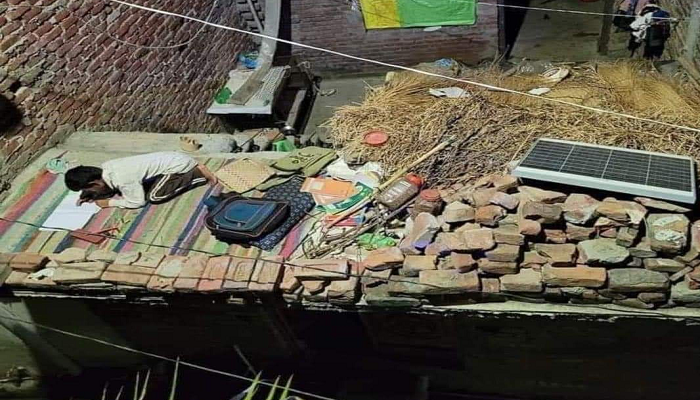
(285, 392)
(136, 386)
(174, 385)
(104, 391)
(145, 385)
(119, 395)
(253, 387)
(271, 395)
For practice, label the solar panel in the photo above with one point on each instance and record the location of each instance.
(614, 169)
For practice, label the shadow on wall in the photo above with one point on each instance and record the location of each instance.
(10, 115)
(513, 21)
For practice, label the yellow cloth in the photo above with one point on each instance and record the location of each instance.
(380, 14)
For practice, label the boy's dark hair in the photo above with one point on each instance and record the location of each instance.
(79, 178)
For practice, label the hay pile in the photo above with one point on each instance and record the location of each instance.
(492, 128)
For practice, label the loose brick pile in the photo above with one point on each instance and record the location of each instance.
(497, 239)
(338, 25)
(64, 69)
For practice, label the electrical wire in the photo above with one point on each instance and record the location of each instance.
(360, 276)
(157, 356)
(415, 70)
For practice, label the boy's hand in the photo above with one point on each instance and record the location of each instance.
(82, 201)
(211, 178)
(102, 203)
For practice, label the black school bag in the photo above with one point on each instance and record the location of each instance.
(242, 219)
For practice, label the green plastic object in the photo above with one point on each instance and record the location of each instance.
(373, 241)
(283, 145)
(223, 95)
(57, 166)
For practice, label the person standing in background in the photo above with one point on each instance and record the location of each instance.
(627, 11)
(652, 27)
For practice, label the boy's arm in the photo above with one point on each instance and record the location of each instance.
(213, 180)
(133, 196)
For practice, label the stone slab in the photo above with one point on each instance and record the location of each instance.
(581, 276)
(624, 280)
(557, 255)
(449, 281)
(322, 269)
(70, 255)
(28, 262)
(127, 275)
(267, 274)
(77, 273)
(150, 260)
(412, 265)
(527, 281)
(212, 279)
(602, 251)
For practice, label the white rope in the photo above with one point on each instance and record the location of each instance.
(386, 64)
(481, 3)
(153, 355)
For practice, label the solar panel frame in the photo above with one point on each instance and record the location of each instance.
(636, 172)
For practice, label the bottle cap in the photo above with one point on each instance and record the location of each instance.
(415, 179)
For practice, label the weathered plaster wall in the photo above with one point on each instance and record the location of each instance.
(577, 354)
(68, 64)
(677, 44)
(338, 25)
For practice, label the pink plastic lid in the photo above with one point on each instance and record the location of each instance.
(376, 138)
(430, 195)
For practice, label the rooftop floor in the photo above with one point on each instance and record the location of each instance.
(36, 193)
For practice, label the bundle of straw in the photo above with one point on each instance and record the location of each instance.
(491, 128)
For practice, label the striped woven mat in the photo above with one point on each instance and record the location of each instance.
(179, 222)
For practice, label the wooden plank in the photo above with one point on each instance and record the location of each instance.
(604, 40)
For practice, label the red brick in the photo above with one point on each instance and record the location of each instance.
(43, 29)
(28, 262)
(53, 46)
(68, 22)
(9, 42)
(98, 8)
(61, 15)
(53, 34)
(16, 12)
(71, 32)
(44, 16)
(33, 12)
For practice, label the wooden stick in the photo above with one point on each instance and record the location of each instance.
(379, 221)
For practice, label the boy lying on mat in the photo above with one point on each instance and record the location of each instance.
(154, 178)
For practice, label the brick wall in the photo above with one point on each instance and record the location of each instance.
(62, 65)
(337, 25)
